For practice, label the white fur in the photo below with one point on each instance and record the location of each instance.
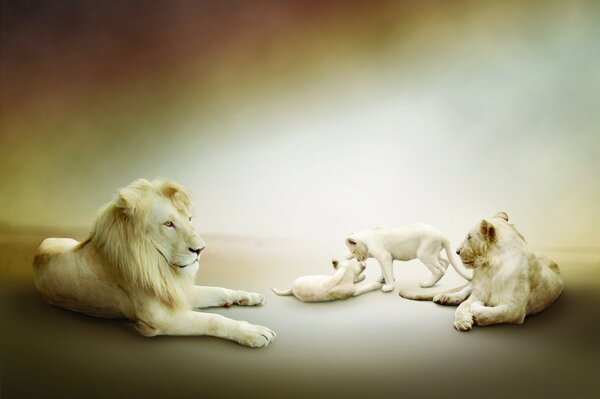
(323, 288)
(414, 241)
(509, 281)
(140, 262)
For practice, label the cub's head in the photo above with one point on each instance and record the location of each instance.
(358, 248)
(495, 233)
(351, 266)
(159, 215)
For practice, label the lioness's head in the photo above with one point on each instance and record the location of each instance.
(486, 235)
(358, 248)
(160, 212)
(351, 266)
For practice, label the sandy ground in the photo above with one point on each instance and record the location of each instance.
(376, 345)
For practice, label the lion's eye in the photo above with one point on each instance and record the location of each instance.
(190, 219)
(469, 237)
(169, 224)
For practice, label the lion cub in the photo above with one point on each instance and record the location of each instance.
(406, 243)
(341, 285)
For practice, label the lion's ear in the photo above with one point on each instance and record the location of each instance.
(126, 201)
(129, 197)
(174, 192)
(350, 242)
(488, 231)
(335, 263)
(502, 215)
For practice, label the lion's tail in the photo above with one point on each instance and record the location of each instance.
(427, 296)
(279, 292)
(459, 269)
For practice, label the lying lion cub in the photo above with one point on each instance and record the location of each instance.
(140, 262)
(406, 243)
(329, 288)
(509, 281)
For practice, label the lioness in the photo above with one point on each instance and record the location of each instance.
(324, 288)
(139, 262)
(509, 281)
(405, 243)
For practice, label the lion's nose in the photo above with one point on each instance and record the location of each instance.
(458, 251)
(196, 250)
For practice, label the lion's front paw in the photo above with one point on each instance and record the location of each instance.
(255, 336)
(443, 299)
(250, 299)
(464, 323)
(387, 287)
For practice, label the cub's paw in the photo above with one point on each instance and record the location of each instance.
(254, 336)
(387, 287)
(249, 299)
(464, 323)
(361, 277)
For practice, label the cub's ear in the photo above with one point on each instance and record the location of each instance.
(502, 215)
(488, 231)
(350, 242)
(335, 263)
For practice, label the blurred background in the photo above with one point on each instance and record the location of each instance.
(295, 123)
(307, 119)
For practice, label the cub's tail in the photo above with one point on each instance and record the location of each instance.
(429, 295)
(278, 292)
(459, 269)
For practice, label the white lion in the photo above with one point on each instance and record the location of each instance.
(139, 262)
(509, 281)
(406, 243)
(341, 285)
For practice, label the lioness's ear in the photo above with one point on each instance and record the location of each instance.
(350, 242)
(488, 231)
(335, 263)
(502, 215)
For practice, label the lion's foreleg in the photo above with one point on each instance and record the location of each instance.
(453, 298)
(386, 262)
(206, 297)
(196, 323)
(364, 288)
(463, 319)
(503, 313)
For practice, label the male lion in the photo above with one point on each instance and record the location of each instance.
(509, 281)
(139, 262)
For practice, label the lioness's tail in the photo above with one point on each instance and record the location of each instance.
(427, 296)
(278, 292)
(459, 269)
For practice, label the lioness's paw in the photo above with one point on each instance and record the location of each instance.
(464, 323)
(255, 336)
(387, 287)
(443, 299)
(250, 299)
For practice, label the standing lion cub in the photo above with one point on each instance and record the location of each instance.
(406, 243)
(140, 262)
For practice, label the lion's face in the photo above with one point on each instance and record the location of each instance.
(161, 210)
(483, 235)
(357, 248)
(352, 266)
(173, 234)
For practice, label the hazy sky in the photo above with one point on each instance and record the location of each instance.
(305, 119)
